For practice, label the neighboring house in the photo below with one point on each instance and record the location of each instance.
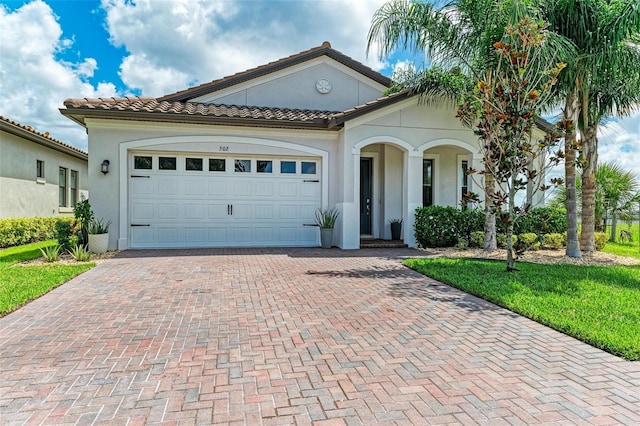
(246, 160)
(39, 175)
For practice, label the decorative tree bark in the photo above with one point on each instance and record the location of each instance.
(590, 158)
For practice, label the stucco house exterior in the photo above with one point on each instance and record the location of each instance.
(246, 160)
(39, 175)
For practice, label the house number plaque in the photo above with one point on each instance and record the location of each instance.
(224, 148)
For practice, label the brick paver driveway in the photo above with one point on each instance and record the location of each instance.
(293, 337)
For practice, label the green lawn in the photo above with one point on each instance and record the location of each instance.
(596, 304)
(21, 284)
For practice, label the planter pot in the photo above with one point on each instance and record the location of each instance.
(98, 243)
(396, 230)
(326, 237)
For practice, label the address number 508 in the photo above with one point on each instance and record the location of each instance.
(224, 148)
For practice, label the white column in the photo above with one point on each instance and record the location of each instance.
(412, 194)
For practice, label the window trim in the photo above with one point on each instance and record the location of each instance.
(74, 199)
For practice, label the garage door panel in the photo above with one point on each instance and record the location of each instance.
(195, 187)
(241, 234)
(288, 211)
(168, 211)
(242, 189)
(288, 189)
(264, 211)
(195, 211)
(218, 211)
(141, 186)
(309, 189)
(217, 235)
(217, 187)
(264, 234)
(308, 213)
(167, 186)
(242, 211)
(264, 189)
(168, 235)
(142, 211)
(308, 234)
(195, 235)
(142, 236)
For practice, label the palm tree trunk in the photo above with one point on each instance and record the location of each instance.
(614, 224)
(511, 261)
(490, 241)
(590, 156)
(573, 246)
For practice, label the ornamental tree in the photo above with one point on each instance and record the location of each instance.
(504, 109)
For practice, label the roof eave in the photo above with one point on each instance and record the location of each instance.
(41, 140)
(79, 115)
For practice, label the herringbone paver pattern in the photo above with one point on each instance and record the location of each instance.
(293, 336)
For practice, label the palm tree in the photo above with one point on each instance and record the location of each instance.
(617, 189)
(595, 84)
(460, 33)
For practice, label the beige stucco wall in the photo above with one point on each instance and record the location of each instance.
(296, 88)
(21, 193)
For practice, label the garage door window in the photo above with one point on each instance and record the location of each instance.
(264, 166)
(167, 163)
(217, 165)
(194, 164)
(142, 162)
(308, 167)
(243, 166)
(287, 167)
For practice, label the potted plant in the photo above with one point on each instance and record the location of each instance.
(396, 228)
(326, 220)
(98, 235)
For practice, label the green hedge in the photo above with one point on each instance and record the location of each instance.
(15, 232)
(439, 226)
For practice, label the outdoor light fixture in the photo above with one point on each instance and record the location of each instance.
(105, 167)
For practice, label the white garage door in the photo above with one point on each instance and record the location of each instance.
(185, 200)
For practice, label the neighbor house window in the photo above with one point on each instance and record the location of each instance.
(167, 163)
(264, 166)
(217, 165)
(73, 187)
(243, 166)
(40, 169)
(141, 162)
(194, 164)
(62, 187)
(427, 182)
(287, 167)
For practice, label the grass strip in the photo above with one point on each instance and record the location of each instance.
(596, 304)
(21, 284)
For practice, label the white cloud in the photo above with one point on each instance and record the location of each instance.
(619, 142)
(33, 83)
(172, 44)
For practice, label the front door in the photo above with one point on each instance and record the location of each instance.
(366, 193)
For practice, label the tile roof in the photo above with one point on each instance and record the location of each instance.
(315, 52)
(150, 108)
(43, 138)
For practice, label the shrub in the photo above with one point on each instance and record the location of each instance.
(19, 231)
(440, 226)
(539, 220)
(501, 239)
(80, 253)
(553, 241)
(601, 239)
(51, 253)
(463, 244)
(477, 239)
(63, 232)
(528, 241)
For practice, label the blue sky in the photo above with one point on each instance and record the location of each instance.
(57, 49)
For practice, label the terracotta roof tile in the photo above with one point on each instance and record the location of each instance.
(324, 49)
(7, 123)
(155, 106)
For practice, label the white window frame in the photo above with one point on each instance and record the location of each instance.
(460, 159)
(436, 177)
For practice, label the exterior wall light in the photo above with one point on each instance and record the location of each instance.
(105, 167)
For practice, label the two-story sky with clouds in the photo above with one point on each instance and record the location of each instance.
(57, 49)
